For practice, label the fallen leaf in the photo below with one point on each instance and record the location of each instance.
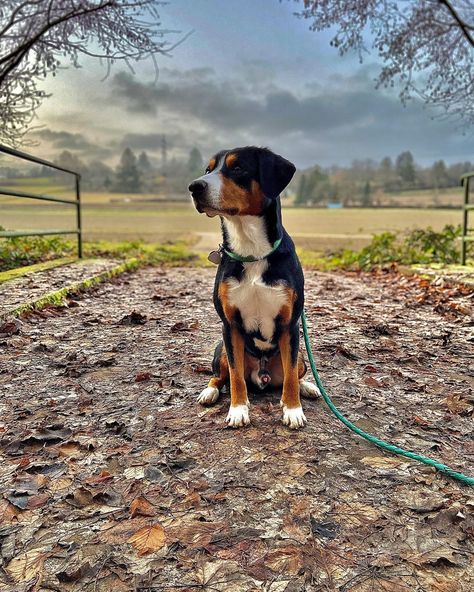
(141, 507)
(134, 318)
(423, 501)
(457, 405)
(287, 560)
(102, 477)
(27, 566)
(143, 376)
(9, 328)
(148, 539)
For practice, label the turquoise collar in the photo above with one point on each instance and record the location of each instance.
(251, 259)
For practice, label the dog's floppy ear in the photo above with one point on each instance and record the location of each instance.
(275, 172)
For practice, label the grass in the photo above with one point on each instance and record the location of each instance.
(17, 272)
(312, 229)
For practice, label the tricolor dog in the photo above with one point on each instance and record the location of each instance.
(259, 286)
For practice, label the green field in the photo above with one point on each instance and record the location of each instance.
(317, 229)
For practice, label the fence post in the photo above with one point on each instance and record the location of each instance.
(465, 183)
(79, 218)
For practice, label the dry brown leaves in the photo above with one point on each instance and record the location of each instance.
(112, 478)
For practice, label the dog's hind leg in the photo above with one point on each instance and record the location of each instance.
(308, 390)
(220, 367)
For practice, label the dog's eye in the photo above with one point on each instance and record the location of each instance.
(207, 171)
(236, 169)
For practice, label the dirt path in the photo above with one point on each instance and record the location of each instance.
(114, 479)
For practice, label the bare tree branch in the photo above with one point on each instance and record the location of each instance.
(465, 28)
(37, 36)
(426, 46)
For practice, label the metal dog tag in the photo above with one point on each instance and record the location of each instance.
(215, 257)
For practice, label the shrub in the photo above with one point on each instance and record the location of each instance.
(20, 251)
(420, 245)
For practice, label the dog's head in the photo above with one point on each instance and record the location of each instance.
(241, 182)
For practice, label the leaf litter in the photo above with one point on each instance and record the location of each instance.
(113, 478)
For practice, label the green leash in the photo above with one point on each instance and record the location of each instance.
(380, 443)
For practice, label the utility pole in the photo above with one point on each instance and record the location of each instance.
(164, 155)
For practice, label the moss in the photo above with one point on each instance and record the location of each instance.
(57, 297)
(12, 274)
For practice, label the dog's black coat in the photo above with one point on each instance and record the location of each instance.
(272, 173)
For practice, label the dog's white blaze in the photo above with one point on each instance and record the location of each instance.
(247, 236)
(213, 181)
(257, 302)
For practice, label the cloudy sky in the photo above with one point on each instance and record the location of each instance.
(251, 73)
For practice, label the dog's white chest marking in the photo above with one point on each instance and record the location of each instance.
(257, 302)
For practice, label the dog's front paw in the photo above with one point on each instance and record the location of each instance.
(208, 396)
(238, 416)
(309, 390)
(294, 418)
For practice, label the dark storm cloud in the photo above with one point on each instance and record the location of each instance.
(151, 141)
(65, 140)
(348, 119)
(78, 143)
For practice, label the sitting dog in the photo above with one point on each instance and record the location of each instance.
(259, 286)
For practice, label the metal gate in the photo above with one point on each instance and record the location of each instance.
(74, 202)
(467, 207)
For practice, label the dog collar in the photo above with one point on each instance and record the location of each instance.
(215, 256)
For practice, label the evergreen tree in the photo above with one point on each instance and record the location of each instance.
(405, 167)
(128, 175)
(366, 200)
(69, 161)
(301, 197)
(144, 164)
(195, 163)
(440, 174)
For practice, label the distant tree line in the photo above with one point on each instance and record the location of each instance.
(133, 174)
(365, 180)
(364, 183)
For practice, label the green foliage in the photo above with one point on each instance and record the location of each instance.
(422, 246)
(166, 253)
(20, 251)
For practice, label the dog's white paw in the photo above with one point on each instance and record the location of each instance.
(309, 390)
(294, 418)
(238, 416)
(209, 395)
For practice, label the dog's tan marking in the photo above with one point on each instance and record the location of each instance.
(211, 164)
(223, 294)
(219, 381)
(245, 203)
(238, 388)
(290, 396)
(230, 159)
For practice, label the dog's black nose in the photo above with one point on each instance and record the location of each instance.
(197, 188)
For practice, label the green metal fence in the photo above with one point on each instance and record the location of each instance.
(467, 207)
(74, 202)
